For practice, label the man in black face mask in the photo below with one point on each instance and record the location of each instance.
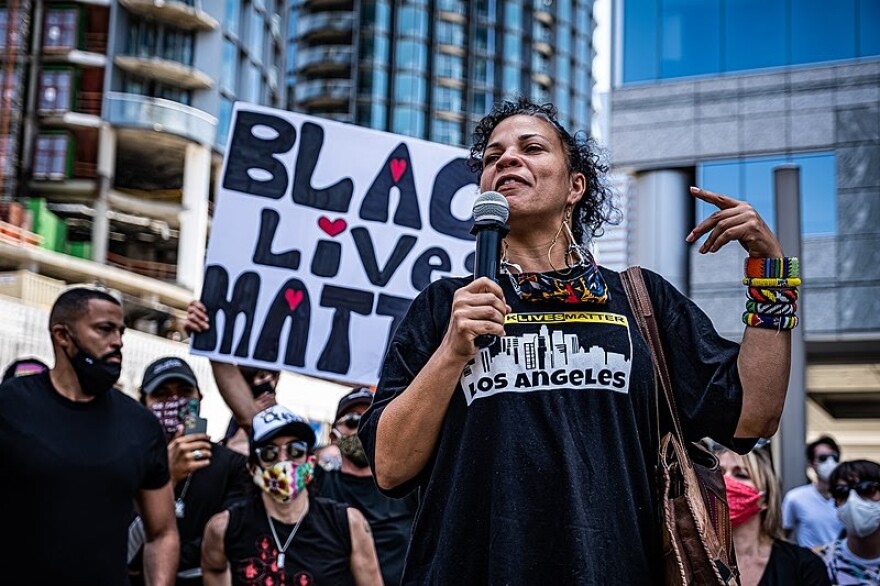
(390, 519)
(77, 454)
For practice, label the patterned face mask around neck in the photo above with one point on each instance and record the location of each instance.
(583, 284)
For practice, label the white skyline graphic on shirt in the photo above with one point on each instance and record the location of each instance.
(546, 360)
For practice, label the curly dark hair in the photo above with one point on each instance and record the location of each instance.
(597, 207)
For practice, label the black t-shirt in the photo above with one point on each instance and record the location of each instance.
(543, 470)
(71, 473)
(390, 519)
(792, 564)
(319, 554)
(207, 492)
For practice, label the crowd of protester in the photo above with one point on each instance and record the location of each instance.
(98, 483)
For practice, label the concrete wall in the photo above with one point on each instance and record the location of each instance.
(836, 108)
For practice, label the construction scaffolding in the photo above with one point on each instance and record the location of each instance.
(15, 28)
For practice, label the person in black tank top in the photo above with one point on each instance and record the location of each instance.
(282, 535)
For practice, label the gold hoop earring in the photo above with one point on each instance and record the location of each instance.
(552, 244)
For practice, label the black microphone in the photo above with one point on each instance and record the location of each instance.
(490, 228)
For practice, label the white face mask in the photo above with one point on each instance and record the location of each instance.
(860, 517)
(824, 469)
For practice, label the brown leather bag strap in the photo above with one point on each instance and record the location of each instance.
(640, 302)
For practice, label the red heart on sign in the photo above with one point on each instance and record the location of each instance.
(398, 166)
(332, 228)
(294, 298)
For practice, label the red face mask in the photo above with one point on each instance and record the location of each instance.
(742, 500)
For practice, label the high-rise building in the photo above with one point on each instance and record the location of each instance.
(432, 68)
(113, 123)
(719, 93)
(113, 120)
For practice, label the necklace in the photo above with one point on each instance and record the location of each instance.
(179, 505)
(282, 550)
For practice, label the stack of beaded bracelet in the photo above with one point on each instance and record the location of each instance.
(772, 292)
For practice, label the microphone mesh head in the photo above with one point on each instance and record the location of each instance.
(491, 205)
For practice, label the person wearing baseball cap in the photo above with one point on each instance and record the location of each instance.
(24, 367)
(390, 519)
(207, 477)
(283, 534)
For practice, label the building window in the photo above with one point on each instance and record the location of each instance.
(752, 180)
(409, 121)
(665, 39)
(448, 99)
(51, 156)
(411, 55)
(55, 90)
(450, 66)
(60, 29)
(231, 16)
(409, 87)
(149, 40)
(13, 39)
(224, 120)
(449, 33)
(446, 131)
(7, 156)
(229, 66)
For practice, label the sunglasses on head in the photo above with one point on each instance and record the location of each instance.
(270, 454)
(866, 489)
(350, 421)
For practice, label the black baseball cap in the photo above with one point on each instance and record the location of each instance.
(165, 369)
(358, 396)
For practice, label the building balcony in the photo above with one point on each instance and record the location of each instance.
(160, 115)
(324, 93)
(157, 270)
(86, 112)
(326, 27)
(179, 13)
(315, 5)
(324, 60)
(171, 72)
(88, 2)
(92, 53)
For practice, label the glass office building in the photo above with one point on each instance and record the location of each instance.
(668, 39)
(721, 93)
(431, 69)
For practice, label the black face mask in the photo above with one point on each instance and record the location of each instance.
(262, 388)
(96, 376)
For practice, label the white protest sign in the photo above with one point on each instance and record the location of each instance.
(323, 233)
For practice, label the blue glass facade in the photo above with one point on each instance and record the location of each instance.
(667, 39)
(432, 69)
(751, 179)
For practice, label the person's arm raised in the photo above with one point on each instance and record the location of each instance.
(764, 359)
(408, 428)
(230, 382)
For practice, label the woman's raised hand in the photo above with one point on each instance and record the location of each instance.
(734, 220)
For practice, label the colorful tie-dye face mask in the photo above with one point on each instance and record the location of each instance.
(284, 480)
(582, 284)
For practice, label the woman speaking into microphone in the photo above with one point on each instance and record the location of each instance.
(534, 456)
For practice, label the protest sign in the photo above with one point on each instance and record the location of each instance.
(323, 234)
